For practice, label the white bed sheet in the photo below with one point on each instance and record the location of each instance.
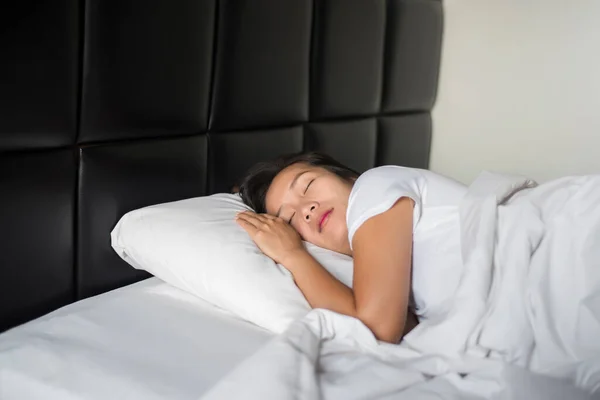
(145, 341)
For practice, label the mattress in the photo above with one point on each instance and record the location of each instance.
(145, 341)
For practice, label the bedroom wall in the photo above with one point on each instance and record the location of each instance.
(519, 89)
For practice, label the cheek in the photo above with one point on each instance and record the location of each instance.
(339, 233)
(301, 229)
(310, 236)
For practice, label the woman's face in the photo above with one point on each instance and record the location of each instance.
(314, 201)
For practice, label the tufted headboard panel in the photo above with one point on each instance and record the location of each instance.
(108, 106)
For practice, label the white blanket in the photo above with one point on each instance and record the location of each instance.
(525, 320)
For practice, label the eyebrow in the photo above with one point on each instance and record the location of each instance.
(292, 184)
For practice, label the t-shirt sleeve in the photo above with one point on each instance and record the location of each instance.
(378, 189)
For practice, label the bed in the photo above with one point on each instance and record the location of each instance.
(113, 106)
(147, 340)
(108, 107)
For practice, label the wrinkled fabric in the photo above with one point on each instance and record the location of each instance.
(524, 322)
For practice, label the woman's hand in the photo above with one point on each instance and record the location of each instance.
(273, 236)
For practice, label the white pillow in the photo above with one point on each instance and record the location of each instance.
(197, 246)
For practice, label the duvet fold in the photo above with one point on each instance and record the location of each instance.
(523, 323)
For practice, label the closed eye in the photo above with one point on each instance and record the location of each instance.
(307, 186)
(305, 190)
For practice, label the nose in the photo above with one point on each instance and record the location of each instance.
(309, 211)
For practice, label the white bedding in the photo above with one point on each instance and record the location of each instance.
(524, 323)
(145, 341)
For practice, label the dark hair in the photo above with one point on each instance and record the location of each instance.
(255, 184)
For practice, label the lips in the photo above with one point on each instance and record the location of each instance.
(324, 219)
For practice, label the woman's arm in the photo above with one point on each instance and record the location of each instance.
(382, 270)
(323, 290)
(281, 242)
(319, 287)
(382, 258)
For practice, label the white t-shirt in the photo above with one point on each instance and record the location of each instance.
(437, 261)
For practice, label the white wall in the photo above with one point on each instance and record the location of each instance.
(519, 89)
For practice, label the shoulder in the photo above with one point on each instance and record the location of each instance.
(378, 189)
(389, 174)
(388, 179)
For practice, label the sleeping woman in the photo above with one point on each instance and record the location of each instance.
(400, 225)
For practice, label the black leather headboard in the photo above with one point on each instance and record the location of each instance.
(107, 106)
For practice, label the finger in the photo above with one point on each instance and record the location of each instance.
(257, 222)
(245, 217)
(265, 218)
(268, 216)
(247, 213)
(250, 217)
(255, 219)
(248, 227)
(262, 217)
